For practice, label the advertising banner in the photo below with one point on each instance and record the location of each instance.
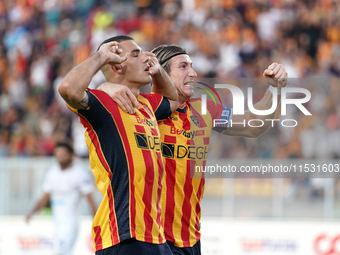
(219, 237)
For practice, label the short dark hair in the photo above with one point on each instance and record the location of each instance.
(117, 38)
(65, 145)
(165, 52)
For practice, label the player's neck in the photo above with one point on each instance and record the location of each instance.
(182, 104)
(182, 101)
(134, 87)
(135, 91)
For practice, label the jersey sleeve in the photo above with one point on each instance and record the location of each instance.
(221, 115)
(96, 113)
(160, 105)
(224, 120)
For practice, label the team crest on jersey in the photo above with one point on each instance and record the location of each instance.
(194, 118)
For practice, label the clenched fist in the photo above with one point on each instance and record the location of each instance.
(276, 75)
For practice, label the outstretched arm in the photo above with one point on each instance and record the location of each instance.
(276, 76)
(72, 88)
(40, 204)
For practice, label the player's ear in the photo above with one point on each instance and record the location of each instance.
(117, 68)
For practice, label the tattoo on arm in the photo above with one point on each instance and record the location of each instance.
(85, 102)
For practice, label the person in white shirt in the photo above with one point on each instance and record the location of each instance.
(64, 185)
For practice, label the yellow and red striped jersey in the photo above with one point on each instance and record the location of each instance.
(125, 157)
(185, 141)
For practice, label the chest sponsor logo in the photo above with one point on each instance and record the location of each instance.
(189, 152)
(147, 142)
(186, 133)
(148, 122)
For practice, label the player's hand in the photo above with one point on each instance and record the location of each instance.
(153, 63)
(122, 95)
(112, 53)
(276, 75)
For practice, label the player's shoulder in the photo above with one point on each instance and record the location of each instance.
(144, 96)
(150, 99)
(199, 100)
(150, 96)
(101, 96)
(53, 170)
(78, 169)
(81, 174)
(194, 103)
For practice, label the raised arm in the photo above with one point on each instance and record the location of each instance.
(276, 76)
(73, 86)
(162, 85)
(161, 82)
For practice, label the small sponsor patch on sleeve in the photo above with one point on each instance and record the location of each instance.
(224, 119)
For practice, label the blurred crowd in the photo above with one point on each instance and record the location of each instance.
(41, 40)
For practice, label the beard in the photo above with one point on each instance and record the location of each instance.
(65, 164)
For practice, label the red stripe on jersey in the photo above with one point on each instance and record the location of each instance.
(186, 123)
(94, 138)
(154, 131)
(159, 193)
(145, 110)
(170, 165)
(111, 231)
(160, 167)
(112, 215)
(190, 142)
(121, 128)
(182, 115)
(154, 99)
(140, 129)
(98, 238)
(147, 196)
(186, 208)
(206, 140)
(198, 206)
(169, 139)
(168, 122)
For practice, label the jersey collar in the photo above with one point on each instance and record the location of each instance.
(182, 109)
